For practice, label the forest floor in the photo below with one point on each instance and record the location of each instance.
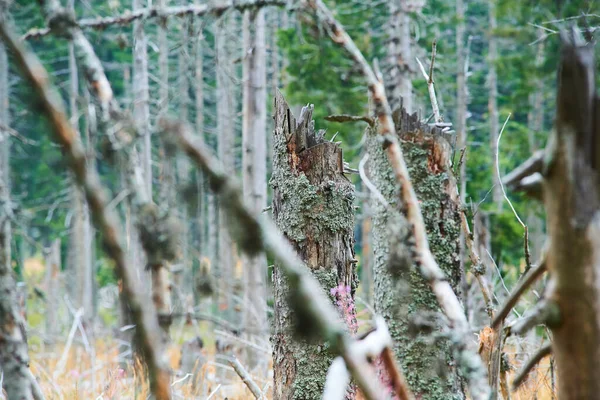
(76, 373)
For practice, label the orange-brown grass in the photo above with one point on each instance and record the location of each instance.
(115, 380)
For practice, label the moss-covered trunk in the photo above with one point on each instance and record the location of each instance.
(402, 296)
(313, 207)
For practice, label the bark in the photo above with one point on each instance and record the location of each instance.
(571, 200)
(254, 166)
(226, 153)
(313, 207)
(14, 357)
(397, 68)
(402, 296)
(493, 103)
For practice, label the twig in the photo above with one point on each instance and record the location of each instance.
(155, 12)
(498, 171)
(350, 118)
(431, 83)
(517, 292)
(261, 235)
(430, 270)
(63, 358)
(246, 378)
(142, 313)
(545, 351)
(398, 382)
(368, 183)
(213, 392)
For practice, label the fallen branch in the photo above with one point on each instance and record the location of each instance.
(451, 306)
(255, 235)
(533, 164)
(533, 361)
(534, 274)
(141, 310)
(159, 12)
(246, 378)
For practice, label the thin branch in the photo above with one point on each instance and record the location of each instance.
(370, 185)
(498, 171)
(545, 351)
(154, 12)
(246, 378)
(398, 382)
(431, 83)
(533, 164)
(477, 268)
(449, 303)
(260, 235)
(544, 312)
(141, 310)
(350, 118)
(534, 274)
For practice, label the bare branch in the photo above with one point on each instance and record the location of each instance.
(468, 358)
(545, 351)
(533, 164)
(350, 118)
(534, 274)
(431, 83)
(157, 12)
(142, 312)
(246, 378)
(545, 312)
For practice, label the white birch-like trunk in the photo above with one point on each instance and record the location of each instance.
(254, 165)
(493, 103)
(398, 57)
(226, 154)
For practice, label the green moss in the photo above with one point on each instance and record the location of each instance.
(400, 292)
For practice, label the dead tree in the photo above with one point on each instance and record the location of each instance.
(402, 295)
(568, 174)
(254, 164)
(14, 357)
(313, 207)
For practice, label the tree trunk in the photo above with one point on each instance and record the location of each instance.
(399, 57)
(254, 167)
(402, 296)
(572, 173)
(313, 207)
(226, 153)
(52, 261)
(141, 106)
(81, 274)
(461, 123)
(14, 358)
(493, 104)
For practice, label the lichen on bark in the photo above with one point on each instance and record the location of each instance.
(402, 296)
(313, 207)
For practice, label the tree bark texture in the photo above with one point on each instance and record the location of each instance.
(52, 261)
(401, 294)
(398, 61)
(313, 207)
(572, 202)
